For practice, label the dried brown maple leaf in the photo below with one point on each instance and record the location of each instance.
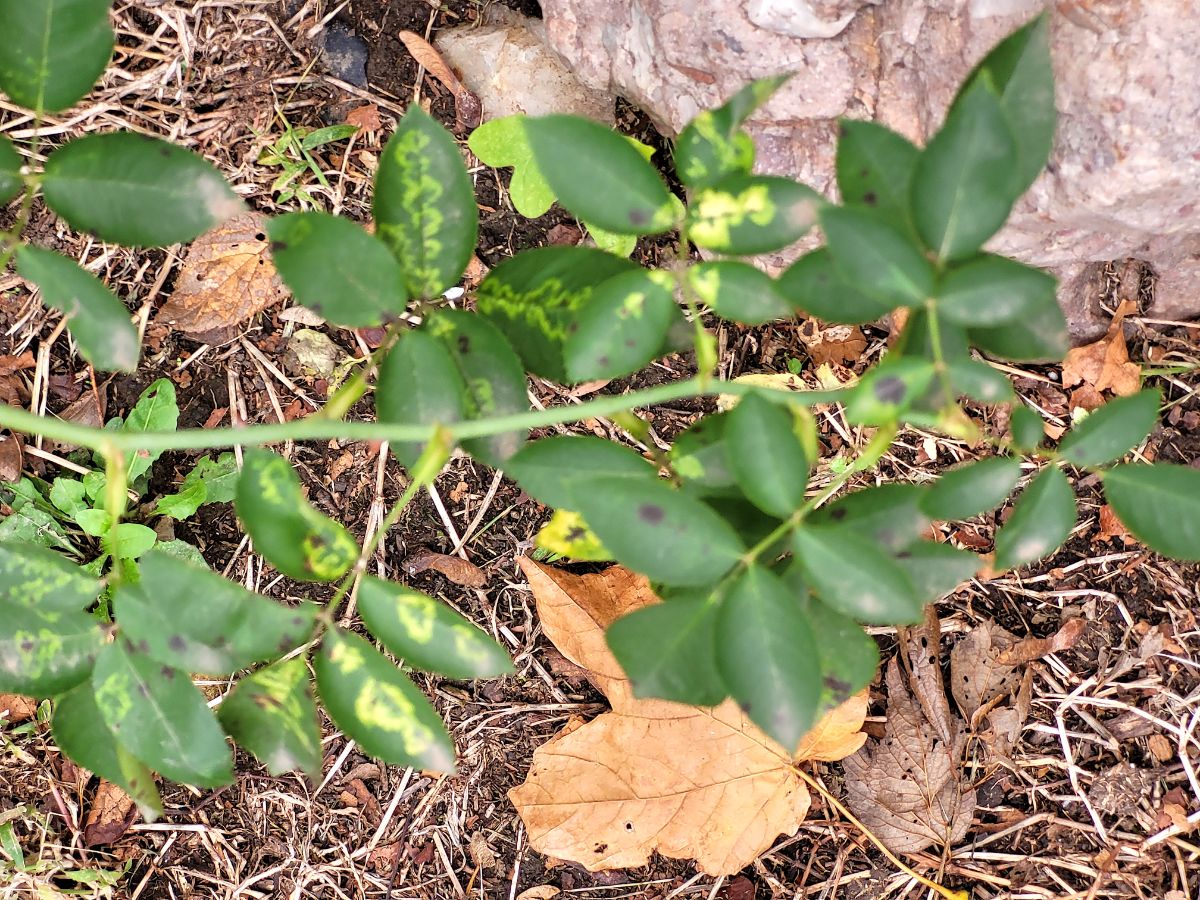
(366, 117)
(906, 787)
(226, 278)
(1104, 364)
(689, 782)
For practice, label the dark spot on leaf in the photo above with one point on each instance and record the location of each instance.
(164, 151)
(576, 534)
(143, 646)
(603, 361)
(297, 621)
(838, 514)
(651, 513)
(142, 690)
(630, 343)
(871, 198)
(278, 246)
(176, 643)
(572, 328)
(265, 701)
(638, 217)
(464, 344)
(838, 687)
(904, 554)
(889, 389)
(629, 826)
(843, 131)
(167, 672)
(600, 848)
(864, 172)
(260, 236)
(285, 644)
(27, 646)
(744, 706)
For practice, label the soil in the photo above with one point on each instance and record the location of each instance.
(377, 831)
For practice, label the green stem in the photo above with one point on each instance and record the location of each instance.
(314, 428)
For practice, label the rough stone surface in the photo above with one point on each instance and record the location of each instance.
(1124, 177)
(507, 64)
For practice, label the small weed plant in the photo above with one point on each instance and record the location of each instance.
(766, 581)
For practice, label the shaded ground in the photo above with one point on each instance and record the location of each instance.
(223, 79)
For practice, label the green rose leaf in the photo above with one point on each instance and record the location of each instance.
(875, 258)
(1019, 69)
(136, 190)
(190, 617)
(1111, 431)
(533, 299)
(622, 192)
(766, 456)
(738, 291)
(1042, 519)
(271, 713)
(419, 384)
(991, 290)
(209, 481)
(1027, 428)
(335, 268)
(41, 579)
(855, 577)
(156, 713)
(669, 536)
(11, 182)
(848, 657)
(979, 381)
(814, 285)
(295, 538)
(129, 540)
(557, 471)
(972, 489)
(698, 456)
(375, 704)
(424, 204)
(1040, 335)
(493, 375)
(668, 650)
(768, 657)
(1160, 504)
(622, 326)
(747, 214)
(885, 393)
(937, 569)
(892, 515)
(712, 146)
(53, 51)
(875, 170)
(501, 143)
(428, 634)
(966, 179)
(156, 410)
(81, 734)
(45, 651)
(99, 322)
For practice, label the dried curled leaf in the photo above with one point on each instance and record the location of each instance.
(226, 278)
(687, 782)
(1104, 365)
(111, 813)
(457, 570)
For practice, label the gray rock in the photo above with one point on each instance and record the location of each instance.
(510, 68)
(345, 53)
(1124, 178)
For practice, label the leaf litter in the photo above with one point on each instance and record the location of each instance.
(227, 277)
(907, 788)
(652, 775)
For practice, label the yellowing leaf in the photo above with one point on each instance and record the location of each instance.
(687, 782)
(226, 278)
(568, 535)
